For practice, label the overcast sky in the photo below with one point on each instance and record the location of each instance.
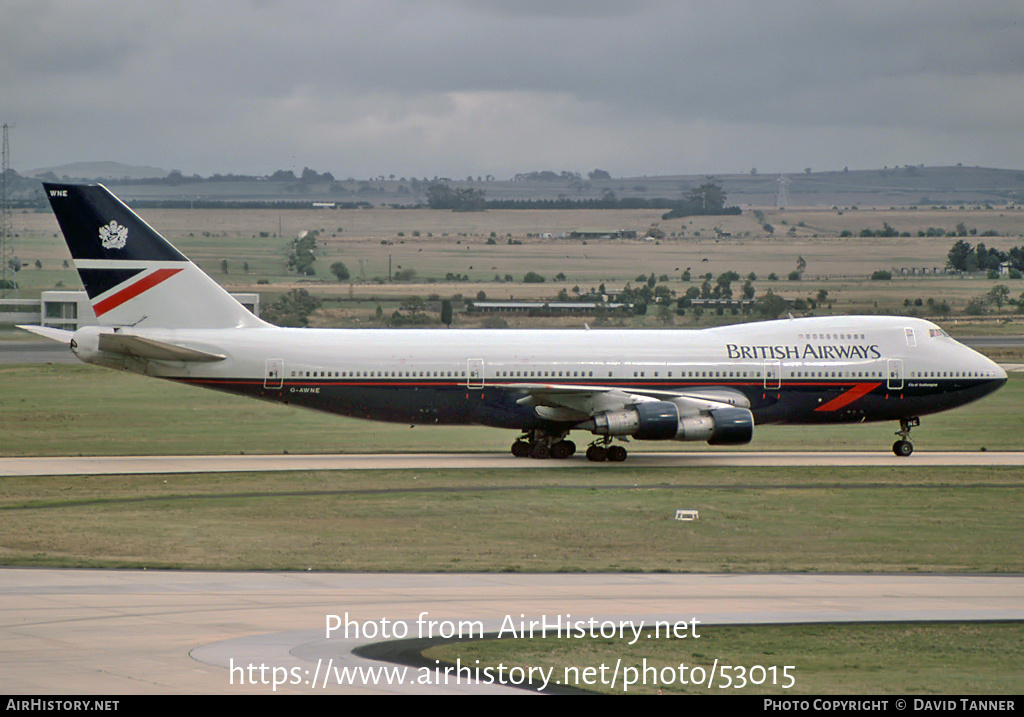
(461, 87)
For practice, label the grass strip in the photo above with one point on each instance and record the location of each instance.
(957, 658)
(768, 519)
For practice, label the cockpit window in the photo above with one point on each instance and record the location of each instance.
(937, 332)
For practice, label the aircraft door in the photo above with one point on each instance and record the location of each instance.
(274, 376)
(894, 374)
(474, 373)
(773, 374)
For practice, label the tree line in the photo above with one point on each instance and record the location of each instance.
(707, 199)
(965, 257)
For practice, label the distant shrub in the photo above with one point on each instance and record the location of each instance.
(340, 270)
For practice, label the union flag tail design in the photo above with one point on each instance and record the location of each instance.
(135, 277)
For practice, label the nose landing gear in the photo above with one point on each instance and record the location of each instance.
(904, 447)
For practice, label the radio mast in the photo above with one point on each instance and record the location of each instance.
(6, 231)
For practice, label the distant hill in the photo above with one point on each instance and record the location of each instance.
(891, 186)
(883, 188)
(98, 170)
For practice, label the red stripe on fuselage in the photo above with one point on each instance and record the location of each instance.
(861, 389)
(144, 284)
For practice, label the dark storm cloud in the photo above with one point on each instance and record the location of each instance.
(498, 86)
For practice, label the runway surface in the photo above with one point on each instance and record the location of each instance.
(131, 632)
(37, 352)
(106, 465)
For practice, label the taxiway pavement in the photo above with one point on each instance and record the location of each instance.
(151, 632)
(113, 465)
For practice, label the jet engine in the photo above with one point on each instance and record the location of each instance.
(662, 421)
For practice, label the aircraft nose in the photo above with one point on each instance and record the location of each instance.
(1000, 371)
(997, 372)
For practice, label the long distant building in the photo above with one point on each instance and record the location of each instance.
(603, 234)
(568, 308)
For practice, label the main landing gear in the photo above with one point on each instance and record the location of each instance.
(536, 444)
(603, 450)
(904, 447)
(541, 445)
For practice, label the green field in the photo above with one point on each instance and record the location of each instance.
(529, 520)
(594, 517)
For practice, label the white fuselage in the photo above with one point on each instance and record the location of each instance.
(819, 356)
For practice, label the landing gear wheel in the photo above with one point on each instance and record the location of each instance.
(540, 451)
(563, 449)
(616, 454)
(597, 454)
(520, 449)
(903, 448)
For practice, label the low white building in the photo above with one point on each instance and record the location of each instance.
(70, 310)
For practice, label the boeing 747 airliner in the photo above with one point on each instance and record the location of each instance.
(160, 315)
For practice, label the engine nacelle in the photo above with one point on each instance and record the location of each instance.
(86, 343)
(661, 421)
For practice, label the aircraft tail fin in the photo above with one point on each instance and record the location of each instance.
(135, 277)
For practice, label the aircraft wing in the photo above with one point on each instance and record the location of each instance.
(578, 403)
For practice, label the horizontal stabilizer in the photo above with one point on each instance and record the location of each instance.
(150, 349)
(59, 335)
